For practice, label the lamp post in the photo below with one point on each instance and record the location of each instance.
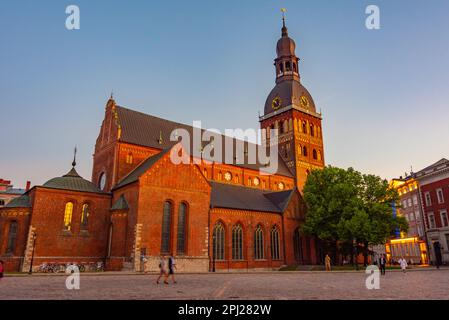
(32, 254)
(213, 253)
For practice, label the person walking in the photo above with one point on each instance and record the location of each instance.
(382, 264)
(327, 261)
(2, 269)
(163, 270)
(171, 268)
(403, 264)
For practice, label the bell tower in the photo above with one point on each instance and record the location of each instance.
(290, 109)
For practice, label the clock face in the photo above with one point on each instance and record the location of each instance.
(102, 183)
(304, 101)
(256, 181)
(276, 103)
(228, 176)
(281, 186)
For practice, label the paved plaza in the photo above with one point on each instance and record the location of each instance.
(423, 284)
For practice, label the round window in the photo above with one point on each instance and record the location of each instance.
(256, 181)
(102, 181)
(228, 176)
(281, 186)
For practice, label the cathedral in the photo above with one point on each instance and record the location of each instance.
(139, 205)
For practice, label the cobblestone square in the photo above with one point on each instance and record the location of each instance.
(423, 284)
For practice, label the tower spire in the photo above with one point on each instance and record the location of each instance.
(74, 158)
(284, 28)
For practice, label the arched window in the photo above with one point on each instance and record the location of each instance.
(304, 127)
(288, 66)
(297, 245)
(129, 158)
(304, 151)
(182, 222)
(219, 242)
(312, 131)
(12, 237)
(166, 227)
(314, 154)
(281, 67)
(85, 212)
(294, 68)
(68, 216)
(275, 244)
(285, 126)
(258, 243)
(237, 242)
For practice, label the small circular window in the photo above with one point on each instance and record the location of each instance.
(102, 181)
(281, 186)
(256, 181)
(228, 176)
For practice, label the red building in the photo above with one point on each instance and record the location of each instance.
(434, 190)
(207, 214)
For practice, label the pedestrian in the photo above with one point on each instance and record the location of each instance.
(2, 269)
(163, 270)
(382, 264)
(327, 261)
(171, 268)
(403, 264)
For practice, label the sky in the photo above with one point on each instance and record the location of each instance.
(383, 93)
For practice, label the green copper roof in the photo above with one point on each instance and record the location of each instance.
(72, 181)
(20, 202)
(120, 204)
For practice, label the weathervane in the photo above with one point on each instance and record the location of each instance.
(283, 10)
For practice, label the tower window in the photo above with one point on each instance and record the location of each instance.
(304, 127)
(281, 67)
(315, 154)
(295, 69)
(312, 133)
(304, 151)
(288, 66)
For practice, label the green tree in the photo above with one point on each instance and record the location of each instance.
(346, 207)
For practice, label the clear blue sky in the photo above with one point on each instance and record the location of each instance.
(384, 94)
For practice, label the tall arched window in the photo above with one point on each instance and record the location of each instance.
(312, 130)
(166, 227)
(275, 244)
(12, 237)
(219, 242)
(304, 151)
(288, 66)
(85, 212)
(315, 154)
(68, 216)
(182, 221)
(304, 127)
(258, 243)
(237, 242)
(297, 245)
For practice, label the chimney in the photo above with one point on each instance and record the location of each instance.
(28, 186)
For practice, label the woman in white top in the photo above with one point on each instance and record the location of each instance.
(403, 264)
(163, 270)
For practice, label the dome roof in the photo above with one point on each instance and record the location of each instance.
(285, 47)
(72, 181)
(289, 92)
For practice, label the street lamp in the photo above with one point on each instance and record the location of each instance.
(32, 254)
(213, 253)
